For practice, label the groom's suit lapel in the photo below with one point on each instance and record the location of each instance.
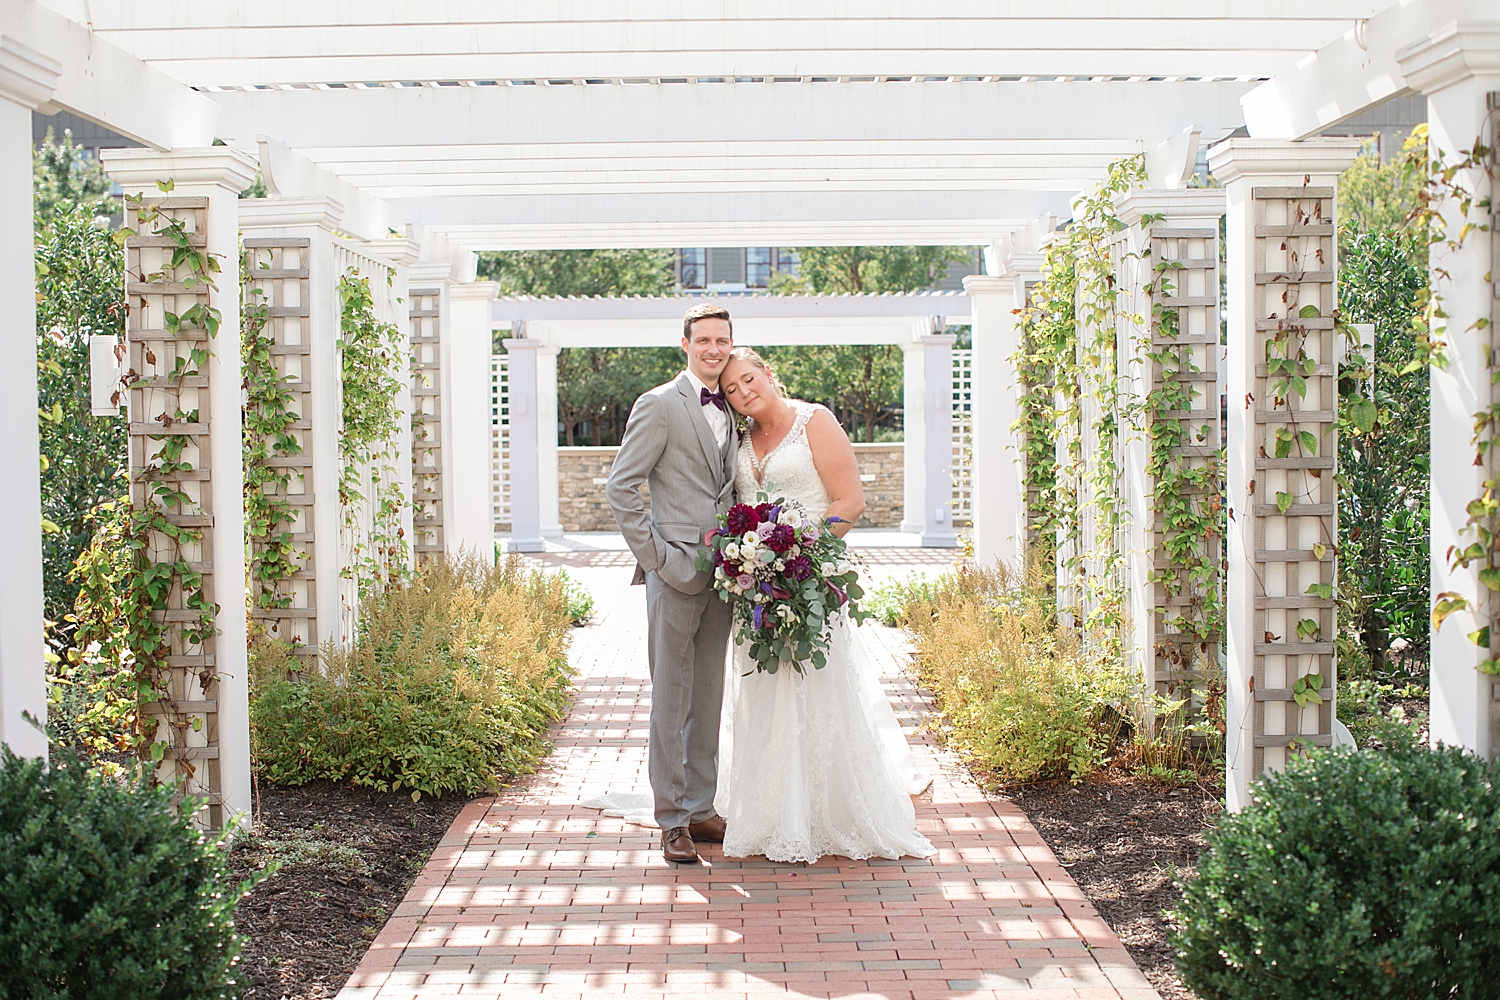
(699, 423)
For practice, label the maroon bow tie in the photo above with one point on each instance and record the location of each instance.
(717, 398)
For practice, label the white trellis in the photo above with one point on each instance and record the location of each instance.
(963, 436)
(500, 440)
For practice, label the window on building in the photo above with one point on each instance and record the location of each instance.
(692, 267)
(787, 261)
(726, 266)
(759, 262)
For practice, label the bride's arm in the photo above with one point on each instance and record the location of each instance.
(833, 457)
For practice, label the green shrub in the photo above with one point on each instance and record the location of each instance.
(107, 891)
(450, 687)
(1023, 698)
(888, 601)
(580, 601)
(1352, 875)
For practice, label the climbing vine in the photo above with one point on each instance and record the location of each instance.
(267, 433)
(1443, 185)
(370, 492)
(1070, 352)
(136, 561)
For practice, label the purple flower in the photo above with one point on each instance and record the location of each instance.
(781, 538)
(764, 529)
(758, 615)
(799, 568)
(811, 534)
(744, 581)
(766, 511)
(718, 557)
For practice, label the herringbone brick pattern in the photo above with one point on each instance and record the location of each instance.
(531, 895)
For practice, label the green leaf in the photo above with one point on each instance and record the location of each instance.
(1309, 442)
(1308, 312)
(1447, 603)
(1490, 578)
(1481, 637)
(1323, 590)
(1284, 502)
(1361, 413)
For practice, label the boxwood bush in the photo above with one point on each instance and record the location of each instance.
(1352, 875)
(107, 891)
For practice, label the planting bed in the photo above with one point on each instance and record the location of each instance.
(1125, 840)
(347, 856)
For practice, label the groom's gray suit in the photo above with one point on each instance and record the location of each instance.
(669, 444)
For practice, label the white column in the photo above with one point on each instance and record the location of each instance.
(937, 530)
(546, 441)
(1244, 165)
(401, 254)
(218, 173)
(27, 78)
(913, 436)
(525, 489)
(999, 498)
(466, 369)
(1456, 67)
(315, 219)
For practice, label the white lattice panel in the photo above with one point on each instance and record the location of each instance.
(963, 438)
(500, 438)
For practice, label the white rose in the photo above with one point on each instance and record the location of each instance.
(826, 569)
(719, 573)
(779, 565)
(789, 517)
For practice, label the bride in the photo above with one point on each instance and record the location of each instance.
(811, 762)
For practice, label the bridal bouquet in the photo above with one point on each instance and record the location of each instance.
(787, 574)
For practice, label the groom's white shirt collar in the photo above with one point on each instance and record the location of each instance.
(718, 420)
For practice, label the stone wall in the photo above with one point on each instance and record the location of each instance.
(582, 472)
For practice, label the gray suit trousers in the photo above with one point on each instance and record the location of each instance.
(686, 647)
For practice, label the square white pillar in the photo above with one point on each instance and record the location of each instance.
(913, 436)
(1259, 672)
(525, 487)
(466, 424)
(1456, 67)
(217, 174)
(550, 506)
(937, 479)
(27, 78)
(999, 483)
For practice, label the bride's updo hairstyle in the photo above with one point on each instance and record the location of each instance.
(748, 354)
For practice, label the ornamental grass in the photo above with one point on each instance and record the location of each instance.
(1019, 696)
(450, 686)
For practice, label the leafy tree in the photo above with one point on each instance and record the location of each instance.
(80, 285)
(1376, 197)
(598, 385)
(860, 383)
(579, 272)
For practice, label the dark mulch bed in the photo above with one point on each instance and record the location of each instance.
(348, 855)
(1125, 841)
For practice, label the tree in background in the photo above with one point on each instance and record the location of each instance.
(860, 383)
(595, 385)
(80, 286)
(1383, 474)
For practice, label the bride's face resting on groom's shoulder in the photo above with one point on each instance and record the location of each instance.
(748, 388)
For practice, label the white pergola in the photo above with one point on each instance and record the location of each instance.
(409, 135)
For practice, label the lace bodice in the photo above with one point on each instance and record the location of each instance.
(788, 471)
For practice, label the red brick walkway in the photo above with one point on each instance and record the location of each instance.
(532, 895)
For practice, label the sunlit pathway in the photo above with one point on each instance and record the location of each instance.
(532, 895)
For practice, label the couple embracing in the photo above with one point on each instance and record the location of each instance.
(801, 762)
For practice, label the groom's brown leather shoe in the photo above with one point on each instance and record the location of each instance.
(677, 845)
(710, 831)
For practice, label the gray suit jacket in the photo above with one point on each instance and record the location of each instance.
(668, 443)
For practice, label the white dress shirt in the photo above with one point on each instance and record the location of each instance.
(718, 420)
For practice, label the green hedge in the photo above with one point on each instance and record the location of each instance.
(107, 891)
(1352, 875)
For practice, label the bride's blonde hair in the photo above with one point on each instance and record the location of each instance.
(748, 354)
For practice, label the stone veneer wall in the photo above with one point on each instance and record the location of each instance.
(582, 472)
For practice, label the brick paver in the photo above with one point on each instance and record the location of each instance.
(530, 894)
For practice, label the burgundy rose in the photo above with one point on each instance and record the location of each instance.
(741, 518)
(799, 568)
(782, 537)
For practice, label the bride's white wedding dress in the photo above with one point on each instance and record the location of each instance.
(812, 762)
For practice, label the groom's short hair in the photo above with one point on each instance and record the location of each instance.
(704, 310)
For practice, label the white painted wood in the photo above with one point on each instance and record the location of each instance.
(999, 498)
(914, 413)
(316, 219)
(467, 511)
(1242, 164)
(937, 431)
(549, 503)
(1456, 68)
(525, 487)
(218, 173)
(26, 80)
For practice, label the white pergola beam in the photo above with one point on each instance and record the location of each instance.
(1350, 74)
(109, 86)
(325, 41)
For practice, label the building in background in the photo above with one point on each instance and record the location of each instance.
(749, 269)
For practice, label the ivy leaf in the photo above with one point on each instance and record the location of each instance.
(1361, 413)
(1447, 603)
(1309, 442)
(1319, 550)
(1490, 578)
(1308, 312)
(1300, 385)
(1323, 590)
(1309, 630)
(1481, 637)
(1305, 690)
(1284, 501)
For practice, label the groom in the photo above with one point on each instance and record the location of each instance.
(680, 439)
